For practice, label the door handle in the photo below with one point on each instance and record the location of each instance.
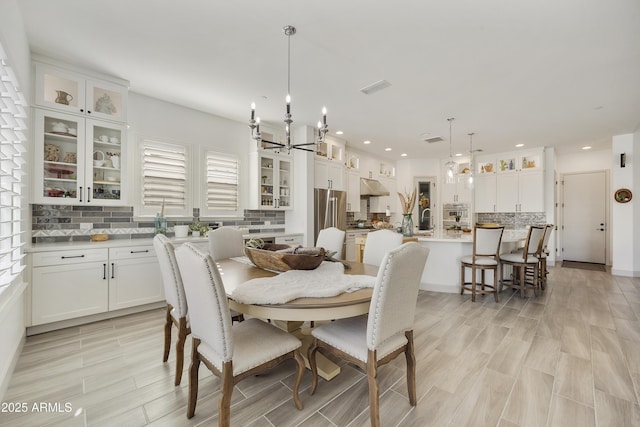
(113, 267)
(80, 195)
(104, 271)
(88, 194)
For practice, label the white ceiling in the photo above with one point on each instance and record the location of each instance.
(544, 73)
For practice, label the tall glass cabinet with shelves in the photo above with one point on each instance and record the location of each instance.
(80, 137)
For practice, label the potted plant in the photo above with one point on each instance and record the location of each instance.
(198, 229)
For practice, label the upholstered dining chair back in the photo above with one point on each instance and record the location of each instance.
(226, 242)
(378, 243)
(535, 239)
(171, 278)
(208, 307)
(547, 237)
(332, 239)
(393, 303)
(486, 241)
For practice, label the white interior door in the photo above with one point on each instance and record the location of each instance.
(584, 217)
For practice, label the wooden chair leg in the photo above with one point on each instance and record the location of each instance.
(461, 279)
(482, 277)
(473, 284)
(374, 398)
(495, 284)
(182, 337)
(313, 366)
(224, 406)
(411, 368)
(522, 280)
(299, 374)
(167, 334)
(193, 379)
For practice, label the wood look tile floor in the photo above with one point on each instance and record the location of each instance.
(569, 357)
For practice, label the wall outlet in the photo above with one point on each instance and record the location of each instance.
(267, 223)
(86, 226)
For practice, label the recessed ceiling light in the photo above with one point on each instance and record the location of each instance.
(403, 155)
(458, 154)
(387, 149)
(367, 142)
(339, 132)
(519, 145)
(586, 147)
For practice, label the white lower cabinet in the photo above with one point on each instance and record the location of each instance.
(134, 277)
(77, 283)
(350, 244)
(69, 284)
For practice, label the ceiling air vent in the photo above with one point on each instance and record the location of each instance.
(375, 87)
(433, 139)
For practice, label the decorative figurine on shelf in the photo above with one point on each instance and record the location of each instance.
(51, 152)
(105, 105)
(70, 157)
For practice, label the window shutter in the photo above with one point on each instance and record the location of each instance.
(13, 128)
(222, 182)
(164, 177)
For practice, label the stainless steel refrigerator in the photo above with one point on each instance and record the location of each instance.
(330, 210)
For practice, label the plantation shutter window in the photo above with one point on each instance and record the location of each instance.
(13, 128)
(164, 178)
(222, 182)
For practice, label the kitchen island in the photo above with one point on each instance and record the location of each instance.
(446, 248)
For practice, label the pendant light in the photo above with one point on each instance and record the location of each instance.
(470, 176)
(450, 165)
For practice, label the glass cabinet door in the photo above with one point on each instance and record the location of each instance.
(105, 161)
(59, 89)
(284, 181)
(59, 158)
(106, 101)
(267, 176)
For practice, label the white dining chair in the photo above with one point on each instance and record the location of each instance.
(372, 340)
(332, 239)
(485, 256)
(378, 243)
(226, 242)
(231, 351)
(176, 301)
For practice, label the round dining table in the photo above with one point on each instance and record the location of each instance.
(291, 316)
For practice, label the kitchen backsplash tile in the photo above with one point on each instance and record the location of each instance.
(58, 223)
(514, 220)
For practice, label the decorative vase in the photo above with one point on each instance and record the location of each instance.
(195, 234)
(115, 162)
(161, 224)
(407, 225)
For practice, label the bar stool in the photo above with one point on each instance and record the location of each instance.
(520, 262)
(486, 249)
(542, 257)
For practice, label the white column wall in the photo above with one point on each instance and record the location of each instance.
(624, 218)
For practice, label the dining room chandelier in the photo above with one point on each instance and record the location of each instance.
(450, 165)
(254, 122)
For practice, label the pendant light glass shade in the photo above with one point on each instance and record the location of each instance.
(450, 177)
(470, 173)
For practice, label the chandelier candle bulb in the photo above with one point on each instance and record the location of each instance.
(324, 116)
(258, 125)
(288, 99)
(253, 110)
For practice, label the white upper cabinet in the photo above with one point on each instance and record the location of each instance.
(329, 174)
(353, 191)
(510, 182)
(76, 93)
(457, 191)
(271, 185)
(332, 149)
(78, 161)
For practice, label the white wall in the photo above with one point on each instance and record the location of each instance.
(167, 122)
(626, 251)
(12, 299)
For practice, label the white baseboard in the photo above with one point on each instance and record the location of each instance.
(440, 288)
(48, 327)
(625, 273)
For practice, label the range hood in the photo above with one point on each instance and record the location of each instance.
(371, 187)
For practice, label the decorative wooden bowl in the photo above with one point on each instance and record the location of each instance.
(268, 259)
(99, 237)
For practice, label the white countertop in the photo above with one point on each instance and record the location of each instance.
(118, 243)
(509, 236)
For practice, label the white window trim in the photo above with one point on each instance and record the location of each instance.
(205, 211)
(140, 211)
